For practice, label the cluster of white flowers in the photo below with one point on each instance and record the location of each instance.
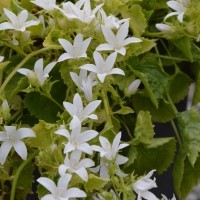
(179, 7)
(78, 137)
(144, 184)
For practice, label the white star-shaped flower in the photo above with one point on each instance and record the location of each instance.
(84, 82)
(103, 67)
(47, 5)
(17, 22)
(77, 110)
(81, 11)
(74, 164)
(68, 9)
(179, 7)
(60, 191)
(75, 51)
(119, 41)
(38, 75)
(143, 185)
(110, 154)
(110, 21)
(12, 137)
(77, 139)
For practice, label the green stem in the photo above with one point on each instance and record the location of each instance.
(13, 47)
(16, 176)
(158, 55)
(171, 58)
(15, 115)
(172, 122)
(126, 127)
(29, 56)
(172, 104)
(116, 192)
(124, 187)
(106, 106)
(52, 99)
(176, 133)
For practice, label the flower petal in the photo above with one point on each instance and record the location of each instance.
(3, 136)
(175, 5)
(69, 147)
(96, 148)
(49, 67)
(71, 109)
(170, 15)
(21, 150)
(104, 47)
(99, 61)
(116, 142)
(6, 26)
(23, 16)
(88, 135)
(76, 79)
(75, 156)
(148, 195)
(64, 180)
(93, 116)
(75, 192)
(65, 56)
(91, 107)
(47, 183)
(121, 159)
(86, 43)
(104, 173)
(62, 169)
(4, 151)
(38, 67)
(63, 132)
(25, 132)
(77, 102)
(85, 148)
(24, 71)
(89, 67)
(117, 71)
(123, 31)
(131, 40)
(109, 36)
(82, 173)
(86, 162)
(110, 61)
(67, 46)
(102, 77)
(122, 51)
(11, 16)
(48, 197)
(105, 143)
(121, 146)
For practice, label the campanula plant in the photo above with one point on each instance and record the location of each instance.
(83, 85)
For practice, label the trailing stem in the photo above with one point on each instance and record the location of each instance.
(19, 170)
(106, 106)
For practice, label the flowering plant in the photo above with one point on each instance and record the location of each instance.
(82, 85)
